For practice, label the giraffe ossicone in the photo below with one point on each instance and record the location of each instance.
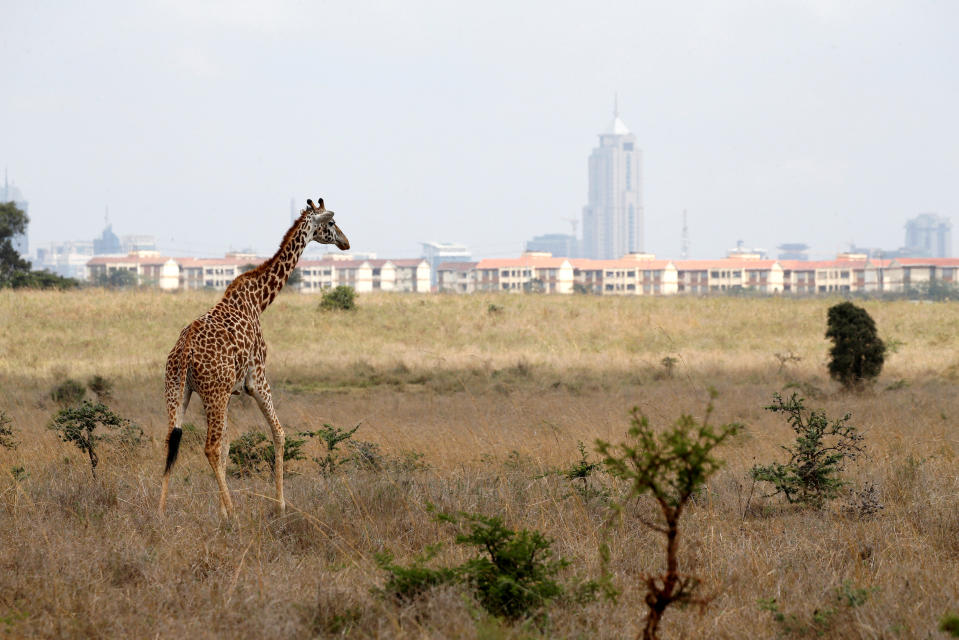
(223, 350)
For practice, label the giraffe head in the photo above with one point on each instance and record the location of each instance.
(326, 231)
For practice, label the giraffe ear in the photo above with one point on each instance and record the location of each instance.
(320, 206)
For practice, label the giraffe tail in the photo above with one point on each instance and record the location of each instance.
(172, 448)
(179, 359)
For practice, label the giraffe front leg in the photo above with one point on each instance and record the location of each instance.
(260, 389)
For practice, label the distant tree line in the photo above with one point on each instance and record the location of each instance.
(15, 272)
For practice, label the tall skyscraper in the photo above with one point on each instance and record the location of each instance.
(929, 235)
(613, 218)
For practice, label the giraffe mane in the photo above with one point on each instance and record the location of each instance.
(257, 271)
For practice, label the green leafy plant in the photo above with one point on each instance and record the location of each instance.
(7, 438)
(102, 387)
(341, 298)
(819, 454)
(68, 393)
(332, 437)
(857, 354)
(406, 583)
(512, 574)
(251, 452)
(950, 624)
(580, 472)
(78, 425)
(672, 466)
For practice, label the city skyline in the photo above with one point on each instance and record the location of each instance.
(791, 122)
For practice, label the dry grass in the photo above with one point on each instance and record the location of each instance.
(493, 401)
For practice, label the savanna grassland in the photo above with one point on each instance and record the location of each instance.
(473, 402)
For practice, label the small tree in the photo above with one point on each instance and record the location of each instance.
(341, 298)
(13, 222)
(672, 466)
(77, 425)
(811, 476)
(332, 437)
(857, 353)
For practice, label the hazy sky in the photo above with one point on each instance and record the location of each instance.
(820, 122)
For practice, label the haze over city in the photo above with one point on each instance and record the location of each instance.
(819, 122)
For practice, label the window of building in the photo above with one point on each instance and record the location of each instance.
(627, 146)
(713, 274)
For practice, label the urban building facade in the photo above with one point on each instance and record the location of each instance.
(929, 235)
(169, 273)
(436, 252)
(613, 216)
(558, 244)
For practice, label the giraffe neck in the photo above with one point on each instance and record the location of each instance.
(273, 274)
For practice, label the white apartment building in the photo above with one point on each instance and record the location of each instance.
(456, 277)
(532, 272)
(152, 269)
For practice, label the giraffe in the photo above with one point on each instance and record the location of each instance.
(222, 353)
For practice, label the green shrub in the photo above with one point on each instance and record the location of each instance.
(404, 584)
(811, 475)
(68, 393)
(341, 298)
(671, 466)
(102, 387)
(580, 472)
(251, 452)
(857, 354)
(511, 575)
(78, 425)
(7, 438)
(950, 624)
(331, 437)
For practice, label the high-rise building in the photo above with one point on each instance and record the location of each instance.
(9, 193)
(561, 245)
(436, 252)
(929, 235)
(613, 218)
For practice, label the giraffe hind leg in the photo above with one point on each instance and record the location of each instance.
(176, 408)
(216, 448)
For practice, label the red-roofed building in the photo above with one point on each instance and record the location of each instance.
(456, 277)
(533, 271)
